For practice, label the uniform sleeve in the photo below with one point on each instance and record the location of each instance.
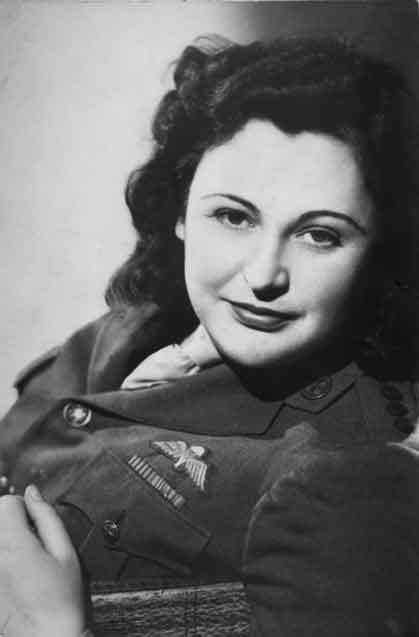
(333, 547)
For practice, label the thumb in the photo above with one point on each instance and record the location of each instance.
(50, 529)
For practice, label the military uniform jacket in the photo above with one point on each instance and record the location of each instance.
(164, 486)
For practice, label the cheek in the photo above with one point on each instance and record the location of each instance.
(208, 263)
(332, 287)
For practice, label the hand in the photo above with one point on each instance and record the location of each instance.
(41, 592)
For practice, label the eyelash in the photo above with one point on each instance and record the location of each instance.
(333, 238)
(222, 215)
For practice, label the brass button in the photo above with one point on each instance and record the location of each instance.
(391, 392)
(111, 531)
(77, 415)
(396, 409)
(318, 390)
(403, 424)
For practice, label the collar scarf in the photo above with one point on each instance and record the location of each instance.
(194, 353)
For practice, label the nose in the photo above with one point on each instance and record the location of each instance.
(266, 273)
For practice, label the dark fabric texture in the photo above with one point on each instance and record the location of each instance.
(333, 545)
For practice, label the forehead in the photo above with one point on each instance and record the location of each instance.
(299, 172)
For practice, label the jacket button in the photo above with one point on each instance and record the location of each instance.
(391, 392)
(317, 390)
(403, 424)
(396, 409)
(111, 531)
(77, 415)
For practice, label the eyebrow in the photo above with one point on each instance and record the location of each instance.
(336, 215)
(240, 200)
(306, 216)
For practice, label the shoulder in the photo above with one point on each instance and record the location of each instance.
(80, 343)
(96, 356)
(364, 473)
(34, 367)
(352, 404)
(354, 471)
(332, 546)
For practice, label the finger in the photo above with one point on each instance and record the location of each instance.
(14, 521)
(49, 526)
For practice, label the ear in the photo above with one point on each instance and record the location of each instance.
(180, 228)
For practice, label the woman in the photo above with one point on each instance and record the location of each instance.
(256, 330)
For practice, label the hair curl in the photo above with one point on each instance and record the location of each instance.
(299, 84)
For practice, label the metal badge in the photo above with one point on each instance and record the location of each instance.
(318, 390)
(186, 459)
(77, 415)
(155, 480)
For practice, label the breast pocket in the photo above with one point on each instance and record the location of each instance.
(124, 515)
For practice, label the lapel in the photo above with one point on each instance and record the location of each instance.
(213, 402)
(317, 396)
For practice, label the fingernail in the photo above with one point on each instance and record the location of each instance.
(34, 493)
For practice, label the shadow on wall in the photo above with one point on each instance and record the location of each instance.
(386, 29)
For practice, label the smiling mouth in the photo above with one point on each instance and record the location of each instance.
(261, 318)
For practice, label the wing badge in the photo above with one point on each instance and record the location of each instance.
(186, 458)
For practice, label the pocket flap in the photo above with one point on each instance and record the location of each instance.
(129, 515)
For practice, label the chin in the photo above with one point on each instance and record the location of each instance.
(254, 349)
(263, 354)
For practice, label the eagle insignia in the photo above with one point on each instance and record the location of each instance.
(186, 458)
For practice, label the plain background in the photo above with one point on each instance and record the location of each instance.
(79, 81)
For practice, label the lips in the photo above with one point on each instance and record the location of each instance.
(261, 318)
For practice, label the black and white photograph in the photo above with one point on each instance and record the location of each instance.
(209, 408)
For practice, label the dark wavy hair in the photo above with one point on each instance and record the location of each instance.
(299, 84)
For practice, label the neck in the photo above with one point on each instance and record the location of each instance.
(285, 378)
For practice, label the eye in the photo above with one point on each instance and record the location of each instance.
(321, 237)
(233, 218)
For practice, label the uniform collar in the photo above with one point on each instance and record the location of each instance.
(214, 402)
(318, 395)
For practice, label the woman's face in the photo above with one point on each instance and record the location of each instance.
(277, 232)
